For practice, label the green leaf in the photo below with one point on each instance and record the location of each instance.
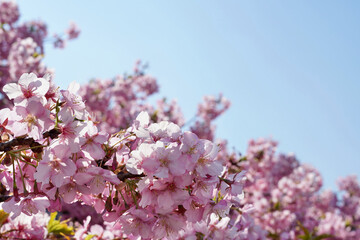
(303, 237)
(276, 206)
(323, 236)
(90, 236)
(307, 234)
(243, 159)
(59, 227)
(3, 216)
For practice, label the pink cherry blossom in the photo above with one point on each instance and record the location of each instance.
(9, 12)
(31, 120)
(96, 179)
(126, 166)
(91, 141)
(73, 101)
(55, 166)
(29, 86)
(29, 205)
(73, 31)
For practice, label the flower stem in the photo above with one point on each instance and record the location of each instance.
(22, 177)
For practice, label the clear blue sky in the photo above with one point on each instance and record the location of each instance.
(290, 68)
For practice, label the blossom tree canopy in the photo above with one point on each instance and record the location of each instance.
(99, 162)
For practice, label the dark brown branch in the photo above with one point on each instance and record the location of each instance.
(122, 176)
(3, 198)
(53, 133)
(21, 141)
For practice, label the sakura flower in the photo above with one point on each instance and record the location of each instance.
(156, 131)
(29, 205)
(213, 107)
(50, 190)
(73, 31)
(74, 101)
(69, 190)
(52, 94)
(165, 129)
(70, 130)
(158, 159)
(165, 194)
(169, 111)
(191, 149)
(29, 86)
(219, 228)
(6, 177)
(139, 163)
(138, 222)
(189, 142)
(335, 225)
(101, 233)
(233, 184)
(194, 209)
(26, 227)
(206, 164)
(32, 120)
(96, 179)
(24, 56)
(222, 208)
(168, 226)
(142, 122)
(169, 159)
(91, 141)
(59, 42)
(82, 230)
(203, 188)
(350, 184)
(9, 12)
(55, 166)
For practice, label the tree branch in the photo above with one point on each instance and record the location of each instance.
(21, 141)
(3, 198)
(122, 176)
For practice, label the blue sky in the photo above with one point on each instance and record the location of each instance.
(290, 68)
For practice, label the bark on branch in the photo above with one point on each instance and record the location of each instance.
(21, 141)
(3, 198)
(122, 176)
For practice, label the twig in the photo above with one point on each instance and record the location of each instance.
(122, 176)
(3, 198)
(21, 141)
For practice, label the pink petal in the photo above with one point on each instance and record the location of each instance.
(69, 192)
(41, 203)
(143, 118)
(97, 185)
(12, 90)
(165, 200)
(43, 87)
(26, 78)
(58, 179)
(82, 178)
(42, 172)
(111, 177)
(70, 168)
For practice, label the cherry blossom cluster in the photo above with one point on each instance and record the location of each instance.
(208, 111)
(22, 46)
(148, 176)
(287, 196)
(99, 162)
(116, 102)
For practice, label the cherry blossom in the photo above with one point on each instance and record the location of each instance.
(117, 167)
